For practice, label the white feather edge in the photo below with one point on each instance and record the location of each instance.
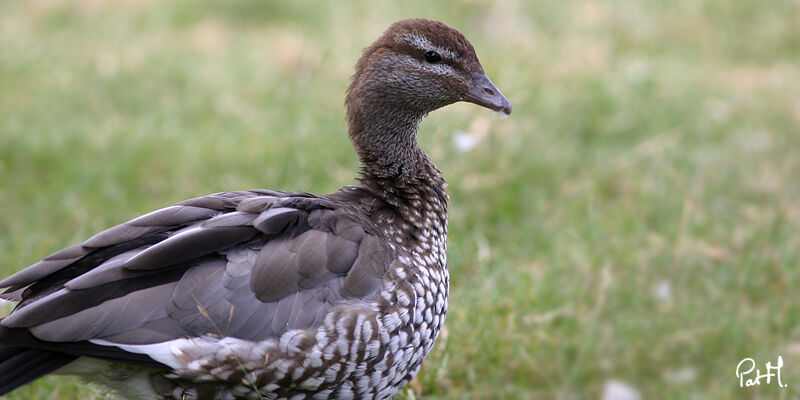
(163, 352)
(169, 353)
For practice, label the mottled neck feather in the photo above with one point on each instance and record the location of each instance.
(384, 133)
(385, 139)
(392, 164)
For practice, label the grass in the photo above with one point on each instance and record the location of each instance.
(636, 219)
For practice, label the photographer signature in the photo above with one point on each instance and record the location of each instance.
(746, 366)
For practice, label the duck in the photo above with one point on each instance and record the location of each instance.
(267, 294)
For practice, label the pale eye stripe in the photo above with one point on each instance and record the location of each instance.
(422, 43)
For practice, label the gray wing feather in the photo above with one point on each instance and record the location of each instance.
(304, 308)
(250, 271)
(275, 220)
(162, 219)
(212, 235)
(256, 204)
(107, 319)
(36, 312)
(311, 255)
(226, 201)
(236, 218)
(340, 253)
(189, 244)
(156, 220)
(374, 256)
(347, 228)
(47, 266)
(275, 272)
(106, 272)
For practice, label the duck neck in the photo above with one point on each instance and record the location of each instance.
(392, 164)
(386, 143)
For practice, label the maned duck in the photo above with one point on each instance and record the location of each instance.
(269, 294)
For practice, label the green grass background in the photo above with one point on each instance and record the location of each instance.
(636, 219)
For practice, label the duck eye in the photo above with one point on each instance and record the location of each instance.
(432, 57)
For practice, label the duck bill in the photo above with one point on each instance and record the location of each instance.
(483, 93)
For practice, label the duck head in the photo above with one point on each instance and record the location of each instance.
(419, 65)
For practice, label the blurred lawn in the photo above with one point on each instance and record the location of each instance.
(636, 219)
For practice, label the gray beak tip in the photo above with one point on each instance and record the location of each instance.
(483, 93)
(506, 109)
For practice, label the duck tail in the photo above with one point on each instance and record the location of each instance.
(19, 366)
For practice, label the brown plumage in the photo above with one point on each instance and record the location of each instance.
(269, 294)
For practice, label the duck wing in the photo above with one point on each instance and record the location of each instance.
(248, 265)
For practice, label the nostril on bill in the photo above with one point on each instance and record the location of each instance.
(488, 91)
